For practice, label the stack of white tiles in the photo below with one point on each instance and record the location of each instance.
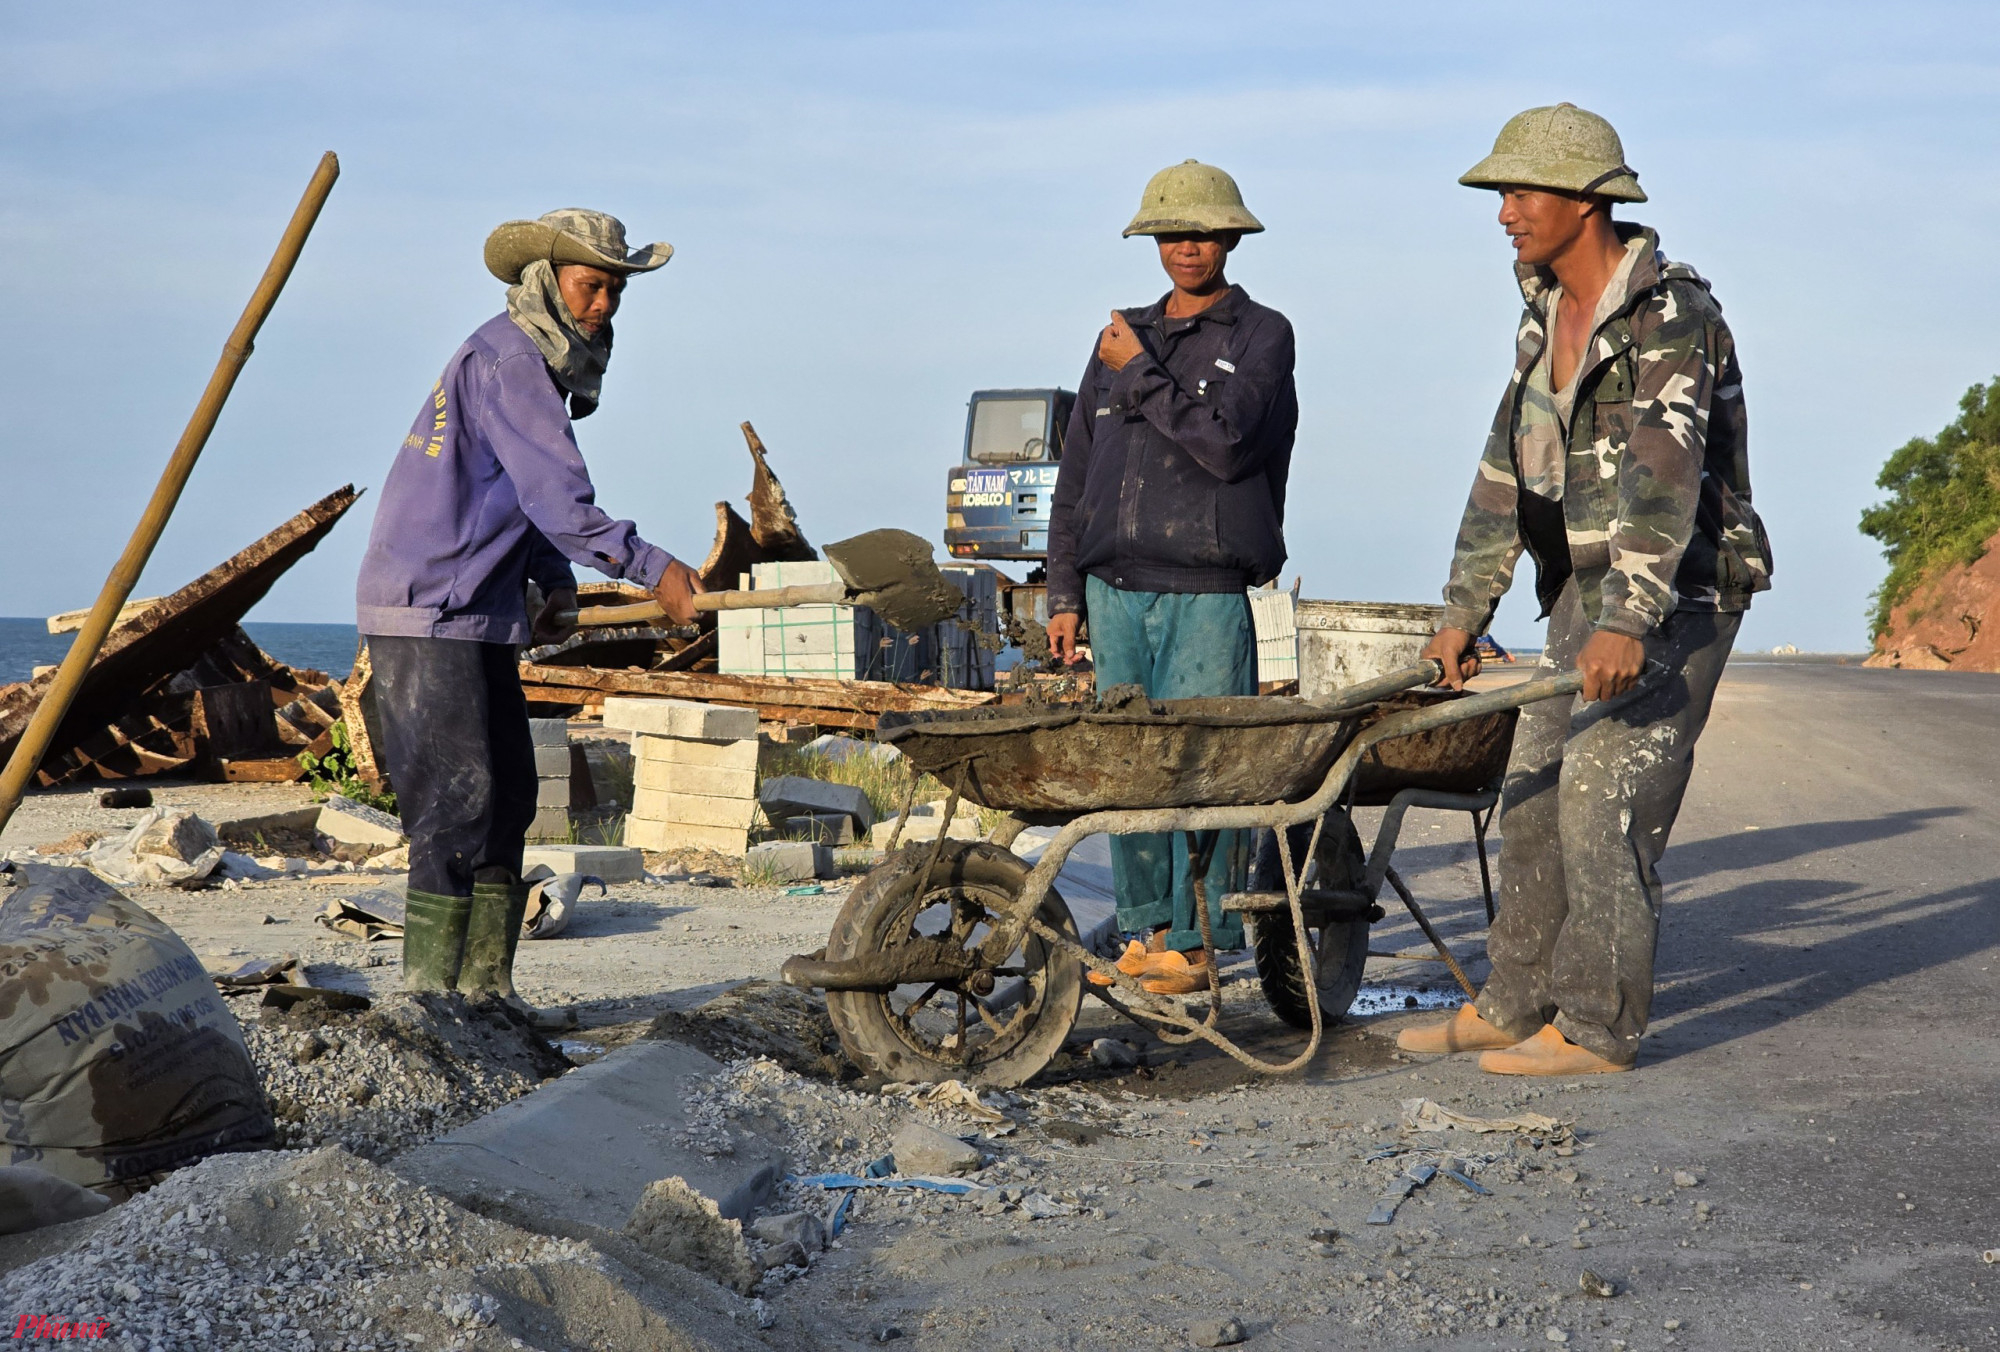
(694, 772)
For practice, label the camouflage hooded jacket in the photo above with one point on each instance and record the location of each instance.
(1656, 475)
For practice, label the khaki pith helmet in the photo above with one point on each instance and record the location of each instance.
(1192, 198)
(1564, 147)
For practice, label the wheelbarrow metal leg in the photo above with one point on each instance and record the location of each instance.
(1480, 822)
(1424, 923)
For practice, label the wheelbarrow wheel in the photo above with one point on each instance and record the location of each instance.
(1340, 949)
(938, 1031)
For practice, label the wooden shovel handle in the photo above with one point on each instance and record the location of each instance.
(814, 594)
(766, 598)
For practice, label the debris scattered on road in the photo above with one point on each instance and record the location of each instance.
(1399, 1189)
(950, 1096)
(1421, 1114)
(955, 1187)
(1593, 1285)
(552, 901)
(923, 1149)
(166, 845)
(124, 798)
(1114, 1054)
(1216, 1333)
(367, 916)
(1684, 1179)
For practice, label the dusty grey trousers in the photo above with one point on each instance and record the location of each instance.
(1590, 798)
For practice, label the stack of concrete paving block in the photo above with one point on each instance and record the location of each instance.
(551, 779)
(694, 773)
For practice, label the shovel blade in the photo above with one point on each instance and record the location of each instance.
(894, 574)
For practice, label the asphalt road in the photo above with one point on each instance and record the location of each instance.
(1823, 1059)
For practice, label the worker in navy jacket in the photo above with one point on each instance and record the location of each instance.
(1169, 504)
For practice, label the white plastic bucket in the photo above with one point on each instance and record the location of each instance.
(1343, 642)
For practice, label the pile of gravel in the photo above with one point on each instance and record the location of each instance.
(408, 1069)
(325, 1251)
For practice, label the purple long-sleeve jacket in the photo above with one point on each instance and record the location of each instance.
(488, 492)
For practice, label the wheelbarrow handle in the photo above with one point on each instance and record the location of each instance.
(1424, 672)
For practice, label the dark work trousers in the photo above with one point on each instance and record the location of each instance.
(461, 760)
(1590, 798)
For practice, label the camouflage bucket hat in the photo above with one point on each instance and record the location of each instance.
(570, 235)
(1563, 147)
(1192, 198)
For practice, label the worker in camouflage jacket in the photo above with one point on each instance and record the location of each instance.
(1618, 464)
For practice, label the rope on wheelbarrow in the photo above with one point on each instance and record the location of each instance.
(1206, 1031)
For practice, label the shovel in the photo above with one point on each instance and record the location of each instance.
(891, 572)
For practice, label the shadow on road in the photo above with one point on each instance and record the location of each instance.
(1754, 967)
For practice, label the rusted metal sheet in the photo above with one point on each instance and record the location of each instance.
(169, 637)
(1184, 753)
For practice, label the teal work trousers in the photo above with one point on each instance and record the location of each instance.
(1175, 647)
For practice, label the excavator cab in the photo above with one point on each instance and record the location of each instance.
(997, 498)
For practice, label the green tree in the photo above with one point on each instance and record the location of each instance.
(1944, 500)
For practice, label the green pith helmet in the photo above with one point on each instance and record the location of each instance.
(1192, 198)
(1564, 147)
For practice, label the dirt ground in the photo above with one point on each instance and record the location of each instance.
(1798, 1163)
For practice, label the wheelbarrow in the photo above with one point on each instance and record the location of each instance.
(957, 959)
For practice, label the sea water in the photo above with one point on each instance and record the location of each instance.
(27, 643)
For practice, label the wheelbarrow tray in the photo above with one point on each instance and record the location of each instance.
(1220, 752)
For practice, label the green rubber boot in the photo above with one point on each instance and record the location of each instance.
(491, 939)
(433, 940)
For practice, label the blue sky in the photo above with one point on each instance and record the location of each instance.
(880, 208)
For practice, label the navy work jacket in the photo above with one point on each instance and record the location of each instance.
(1173, 470)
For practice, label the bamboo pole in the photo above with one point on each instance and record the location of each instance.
(124, 576)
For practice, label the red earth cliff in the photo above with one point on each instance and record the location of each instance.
(1951, 622)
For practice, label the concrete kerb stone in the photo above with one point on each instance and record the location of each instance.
(795, 796)
(351, 823)
(549, 731)
(551, 761)
(613, 863)
(680, 718)
(924, 828)
(791, 861)
(579, 1154)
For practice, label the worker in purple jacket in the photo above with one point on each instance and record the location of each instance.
(488, 494)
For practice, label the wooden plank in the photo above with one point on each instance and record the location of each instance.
(781, 692)
(263, 770)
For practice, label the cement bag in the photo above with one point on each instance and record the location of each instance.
(166, 845)
(118, 1058)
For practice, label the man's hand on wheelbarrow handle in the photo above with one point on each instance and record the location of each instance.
(1457, 656)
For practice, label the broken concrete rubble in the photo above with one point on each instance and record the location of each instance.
(353, 823)
(923, 1149)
